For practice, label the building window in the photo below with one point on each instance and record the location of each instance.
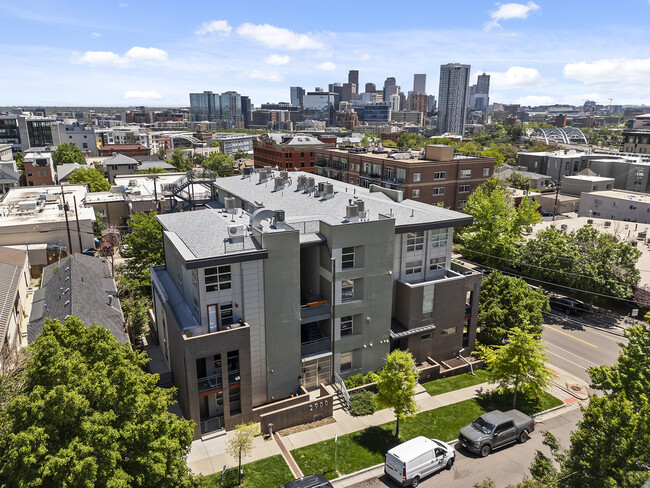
(400, 175)
(413, 267)
(436, 263)
(212, 318)
(416, 193)
(440, 175)
(461, 204)
(439, 238)
(347, 258)
(486, 171)
(234, 395)
(425, 337)
(218, 278)
(465, 173)
(346, 361)
(346, 325)
(225, 311)
(347, 290)
(449, 331)
(416, 177)
(439, 191)
(414, 241)
(463, 189)
(427, 302)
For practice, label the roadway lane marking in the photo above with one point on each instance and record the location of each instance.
(568, 360)
(569, 335)
(572, 353)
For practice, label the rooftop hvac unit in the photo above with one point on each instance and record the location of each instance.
(235, 231)
(328, 189)
(263, 176)
(248, 171)
(351, 212)
(284, 175)
(302, 181)
(279, 183)
(133, 183)
(229, 204)
(311, 182)
(360, 204)
(321, 186)
(279, 216)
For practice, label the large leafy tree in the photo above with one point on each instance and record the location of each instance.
(91, 177)
(219, 163)
(90, 416)
(519, 365)
(396, 384)
(414, 141)
(145, 241)
(68, 153)
(179, 161)
(20, 162)
(585, 259)
(505, 303)
(499, 225)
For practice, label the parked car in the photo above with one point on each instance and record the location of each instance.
(567, 305)
(412, 460)
(496, 429)
(546, 213)
(309, 481)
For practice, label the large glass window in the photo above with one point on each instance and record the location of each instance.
(416, 193)
(439, 238)
(225, 310)
(427, 302)
(413, 267)
(436, 263)
(347, 290)
(465, 173)
(439, 190)
(233, 367)
(347, 258)
(218, 278)
(346, 325)
(414, 241)
(463, 189)
(417, 177)
(346, 361)
(401, 175)
(439, 175)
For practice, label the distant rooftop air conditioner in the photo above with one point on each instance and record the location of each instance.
(235, 231)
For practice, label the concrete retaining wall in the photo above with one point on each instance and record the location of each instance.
(297, 414)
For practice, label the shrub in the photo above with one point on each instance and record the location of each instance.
(362, 403)
(354, 381)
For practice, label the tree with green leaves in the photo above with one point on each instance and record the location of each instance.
(161, 153)
(585, 259)
(20, 161)
(505, 303)
(145, 242)
(414, 141)
(240, 442)
(499, 225)
(68, 153)
(519, 365)
(91, 177)
(98, 225)
(396, 384)
(151, 171)
(179, 161)
(241, 154)
(519, 181)
(219, 163)
(90, 416)
(388, 143)
(136, 316)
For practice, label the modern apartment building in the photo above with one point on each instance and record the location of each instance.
(434, 176)
(37, 132)
(289, 279)
(39, 167)
(296, 93)
(636, 141)
(286, 151)
(453, 97)
(419, 84)
(225, 109)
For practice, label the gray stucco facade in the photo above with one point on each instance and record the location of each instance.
(299, 279)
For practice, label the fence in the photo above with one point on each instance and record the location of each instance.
(341, 386)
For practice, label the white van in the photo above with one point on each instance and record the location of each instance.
(412, 460)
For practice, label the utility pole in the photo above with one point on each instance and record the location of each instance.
(557, 192)
(67, 223)
(76, 216)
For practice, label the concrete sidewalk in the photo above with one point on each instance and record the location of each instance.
(208, 455)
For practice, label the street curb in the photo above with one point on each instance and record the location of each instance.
(356, 473)
(559, 407)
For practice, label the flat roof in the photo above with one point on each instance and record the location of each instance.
(385, 156)
(622, 195)
(588, 178)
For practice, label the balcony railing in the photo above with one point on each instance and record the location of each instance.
(233, 377)
(314, 347)
(315, 311)
(209, 383)
(215, 423)
(372, 176)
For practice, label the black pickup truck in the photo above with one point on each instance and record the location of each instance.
(496, 429)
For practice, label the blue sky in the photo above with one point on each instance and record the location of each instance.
(130, 52)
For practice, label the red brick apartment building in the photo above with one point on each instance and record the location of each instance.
(131, 150)
(287, 151)
(436, 176)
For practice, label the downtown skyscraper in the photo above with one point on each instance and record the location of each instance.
(453, 98)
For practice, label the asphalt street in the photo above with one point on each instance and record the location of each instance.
(504, 466)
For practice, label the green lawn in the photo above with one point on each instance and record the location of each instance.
(270, 472)
(444, 385)
(368, 447)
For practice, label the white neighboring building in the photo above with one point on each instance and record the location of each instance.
(231, 143)
(575, 185)
(616, 205)
(83, 137)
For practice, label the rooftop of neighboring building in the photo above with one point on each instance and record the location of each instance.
(77, 285)
(119, 160)
(205, 233)
(145, 165)
(143, 184)
(121, 147)
(398, 154)
(291, 139)
(591, 178)
(65, 170)
(622, 195)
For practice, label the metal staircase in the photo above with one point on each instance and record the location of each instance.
(182, 190)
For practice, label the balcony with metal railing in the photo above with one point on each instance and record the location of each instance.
(311, 348)
(315, 311)
(209, 383)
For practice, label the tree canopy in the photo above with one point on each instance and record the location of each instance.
(90, 416)
(396, 384)
(219, 163)
(241, 154)
(179, 161)
(20, 161)
(519, 365)
(585, 259)
(68, 153)
(499, 225)
(151, 171)
(91, 177)
(414, 141)
(505, 303)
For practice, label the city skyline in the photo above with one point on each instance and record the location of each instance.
(125, 54)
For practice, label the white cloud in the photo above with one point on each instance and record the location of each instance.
(622, 70)
(108, 58)
(265, 75)
(510, 11)
(516, 77)
(278, 37)
(534, 100)
(219, 27)
(146, 54)
(142, 95)
(277, 60)
(326, 66)
(102, 58)
(96, 34)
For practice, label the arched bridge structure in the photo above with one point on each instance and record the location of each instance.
(560, 136)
